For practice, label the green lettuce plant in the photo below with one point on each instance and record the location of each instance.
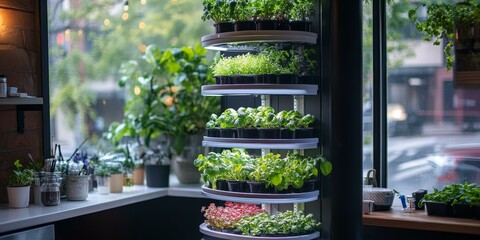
(20, 177)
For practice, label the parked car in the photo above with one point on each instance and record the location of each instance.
(457, 164)
(399, 121)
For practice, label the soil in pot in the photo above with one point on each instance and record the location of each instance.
(222, 185)
(310, 185)
(244, 25)
(269, 133)
(247, 133)
(235, 186)
(157, 175)
(265, 25)
(304, 132)
(256, 187)
(300, 26)
(438, 209)
(228, 133)
(462, 211)
(224, 27)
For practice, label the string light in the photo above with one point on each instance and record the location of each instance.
(106, 22)
(141, 25)
(125, 7)
(137, 90)
(125, 16)
(143, 2)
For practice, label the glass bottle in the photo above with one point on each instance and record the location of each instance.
(51, 189)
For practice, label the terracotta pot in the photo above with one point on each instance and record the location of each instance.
(139, 176)
(116, 183)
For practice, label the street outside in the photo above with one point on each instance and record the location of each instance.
(412, 160)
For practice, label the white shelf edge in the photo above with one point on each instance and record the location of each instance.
(256, 143)
(259, 89)
(205, 230)
(21, 101)
(258, 198)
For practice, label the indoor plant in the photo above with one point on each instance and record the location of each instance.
(166, 100)
(18, 186)
(242, 15)
(301, 14)
(116, 176)
(102, 174)
(220, 12)
(441, 21)
(224, 218)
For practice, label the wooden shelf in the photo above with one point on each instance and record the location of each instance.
(21, 101)
(419, 220)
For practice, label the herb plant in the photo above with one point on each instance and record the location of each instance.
(302, 10)
(219, 11)
(20, 177)
(226, 217)
(466, 193)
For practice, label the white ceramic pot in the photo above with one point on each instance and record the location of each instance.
(18, 197)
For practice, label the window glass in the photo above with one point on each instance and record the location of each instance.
(433, 137)
(367, 88)
(88, 42)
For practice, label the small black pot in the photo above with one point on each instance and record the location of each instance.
(310, 185)
(265, 25)
(287, 79)
(222, 185)
(269, 133)
(286, 133)
(304, 132)
(235, 186)
(247, 133)
(303, 26)
(223, 79)
(270, 79)
(224, 27)
(244, 25)
(306, 79)
(462, 211)
(243, 79)
(476, 211)
(256, 187)
(228, 132)
(157, 175)
(281, 25)
(213, 132)
(438, 209)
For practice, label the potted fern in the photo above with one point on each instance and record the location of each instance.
(18, 187)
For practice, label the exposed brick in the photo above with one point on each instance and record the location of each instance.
(17, 19)
(23, 5)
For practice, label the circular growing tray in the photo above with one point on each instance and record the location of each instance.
(259, 89)
(258, 143)
(222, 235)
(258, 198)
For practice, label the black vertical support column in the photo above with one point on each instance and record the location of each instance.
(342, 48)
(380, 91)
(44, 77)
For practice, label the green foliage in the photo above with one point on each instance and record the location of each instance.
(274, 171)
(260, 117)
(20, 177)
(246, 64)
(168, 98)
(440, 22)
(280, 223)
(302, 10)
(466, 193)
(264, 9)
(219, 11)
(94, 52)
(102, 170)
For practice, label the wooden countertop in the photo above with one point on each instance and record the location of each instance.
(419, 220)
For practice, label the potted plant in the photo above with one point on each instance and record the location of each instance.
(282, 13)
(264, 13)
(444, 20)
(157, 167)
(301, 14)
(220, 12)
(242, 15)
(18, 186)
(139, 172)
(116, 176)
(224, 218)
(245, 123)
(169, 103)
(102, 174)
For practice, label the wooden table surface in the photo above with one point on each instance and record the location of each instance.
(419, 220)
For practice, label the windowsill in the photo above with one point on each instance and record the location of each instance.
(14, 219)
(419, 220)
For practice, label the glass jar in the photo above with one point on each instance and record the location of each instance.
(50, 190)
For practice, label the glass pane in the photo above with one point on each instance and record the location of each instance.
(89, 41)
(367, 89)
(433, 137)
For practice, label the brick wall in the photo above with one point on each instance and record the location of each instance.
(20, 61)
